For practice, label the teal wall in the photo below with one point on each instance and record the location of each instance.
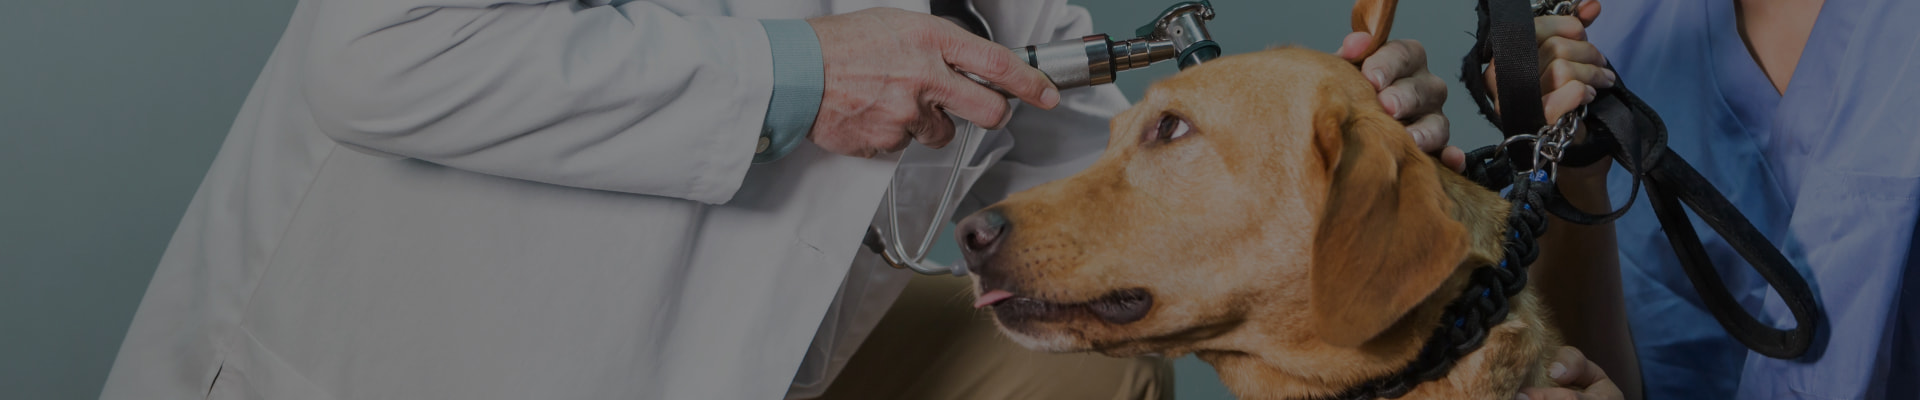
(110, 113)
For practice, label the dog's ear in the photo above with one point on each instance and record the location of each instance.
(1376, 17)
(1385, 240)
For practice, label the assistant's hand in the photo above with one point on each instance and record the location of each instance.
(1407, 90)
(890, 74)
(1570, 69)
(1579, 379)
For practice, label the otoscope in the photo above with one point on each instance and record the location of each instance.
(1179, 33)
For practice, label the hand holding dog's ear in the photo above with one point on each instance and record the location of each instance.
(1408, 91)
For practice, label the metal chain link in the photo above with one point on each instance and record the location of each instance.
(1551, 7)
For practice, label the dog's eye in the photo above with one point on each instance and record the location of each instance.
(1170, 128)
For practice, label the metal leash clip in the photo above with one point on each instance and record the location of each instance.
(1549, 144)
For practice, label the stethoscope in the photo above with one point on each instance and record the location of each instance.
(1179, 32)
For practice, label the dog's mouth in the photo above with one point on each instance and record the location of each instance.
(1118, 307)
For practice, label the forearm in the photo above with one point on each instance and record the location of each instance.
(1578, 276)
(632, 99)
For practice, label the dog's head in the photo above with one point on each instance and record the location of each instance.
(1255, 201)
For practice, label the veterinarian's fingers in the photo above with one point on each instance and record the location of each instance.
(1566, 98)
(934, 129)
(1354, 47)
(969, 100)
(994, 63)
(1430, 132)
(1394, 61)
(1412, 97)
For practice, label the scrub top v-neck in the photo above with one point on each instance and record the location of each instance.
(1829, 171)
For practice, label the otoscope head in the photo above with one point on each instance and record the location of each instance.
(1184, 24)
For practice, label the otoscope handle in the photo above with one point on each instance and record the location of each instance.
(1090, 60)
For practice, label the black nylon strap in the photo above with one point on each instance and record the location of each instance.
(1622, 125)
(1674, 181)
(1511, 40)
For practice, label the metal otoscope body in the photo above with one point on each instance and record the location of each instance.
(1180, 33)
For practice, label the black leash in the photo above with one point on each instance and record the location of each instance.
(1621, 125)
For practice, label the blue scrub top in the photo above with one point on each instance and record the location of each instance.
(1830, 172)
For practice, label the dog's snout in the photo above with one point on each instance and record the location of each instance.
(980, 234)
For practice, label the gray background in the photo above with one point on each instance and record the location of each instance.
(110, 113)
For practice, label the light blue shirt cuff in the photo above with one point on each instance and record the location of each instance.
(799, 81)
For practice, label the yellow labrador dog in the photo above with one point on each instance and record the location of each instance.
(1263, 212)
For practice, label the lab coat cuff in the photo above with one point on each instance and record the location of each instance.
(799, 82)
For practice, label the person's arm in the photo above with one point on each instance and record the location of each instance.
(633, 98)
(1578, 271)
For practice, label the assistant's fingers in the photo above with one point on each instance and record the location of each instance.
(1395, 60)
(1580, 51)
(1565, 99)
(1589, 11)
(969, 100)
(1423, 93)
(1561, 72)
(996, 64)
(1354, 46)
(1565, 26)
(1571, 368)
(1454, 158)
(1430, 132)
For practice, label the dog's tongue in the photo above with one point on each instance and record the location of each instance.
(990, 297)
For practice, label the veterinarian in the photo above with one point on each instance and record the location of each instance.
(483, 199)
(1802, 113)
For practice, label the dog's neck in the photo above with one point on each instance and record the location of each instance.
(1513, 356)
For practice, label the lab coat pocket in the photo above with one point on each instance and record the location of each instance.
(250, 371)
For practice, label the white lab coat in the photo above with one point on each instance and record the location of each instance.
(485, 199)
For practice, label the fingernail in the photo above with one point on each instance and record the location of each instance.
(1612, 78)
(1591, 93)
(1520, 396)
(1555, 370)
(1393, 106)
(1050, 98)
(1379, 79)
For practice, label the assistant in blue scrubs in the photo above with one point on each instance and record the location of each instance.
(1830, 171)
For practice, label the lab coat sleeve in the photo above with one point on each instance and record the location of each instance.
(1050, 144)
(631, 98)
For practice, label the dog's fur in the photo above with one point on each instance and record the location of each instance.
(1296, 239)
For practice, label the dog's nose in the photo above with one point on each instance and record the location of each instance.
(980, 234)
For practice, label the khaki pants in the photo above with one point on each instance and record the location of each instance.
(933, 346)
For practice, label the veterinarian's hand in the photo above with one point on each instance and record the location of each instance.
(1578, 378)
(1407, 90)
(890, 78)
(1570, 69)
